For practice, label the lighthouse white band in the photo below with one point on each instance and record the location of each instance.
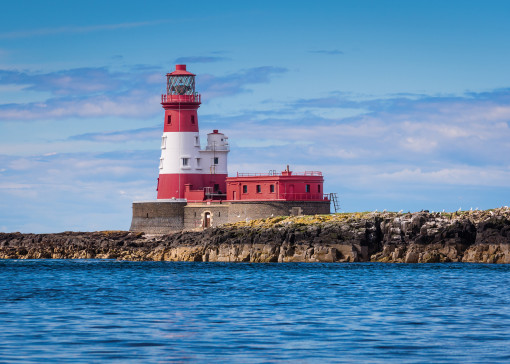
(181, 153)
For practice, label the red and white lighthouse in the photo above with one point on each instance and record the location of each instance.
(185, 168)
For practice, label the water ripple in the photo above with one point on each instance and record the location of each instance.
(100, 311)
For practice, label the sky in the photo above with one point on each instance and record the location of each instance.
(403, 105)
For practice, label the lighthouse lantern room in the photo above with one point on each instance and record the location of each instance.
(185, 170)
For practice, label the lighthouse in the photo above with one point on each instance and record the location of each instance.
(186, 171)
(194, 191)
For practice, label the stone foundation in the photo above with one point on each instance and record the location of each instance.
(163, 217)
(158, 217)
(195, 215)
(243, 210)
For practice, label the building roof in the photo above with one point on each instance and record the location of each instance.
(180, 70)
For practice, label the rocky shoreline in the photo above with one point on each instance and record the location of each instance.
(421, 237)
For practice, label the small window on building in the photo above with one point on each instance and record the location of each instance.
(192, 119)
(319, 188)
(245, 188)
(259, 190)
(198, 163)
(197, 141)
(163, 142)
(169, 119)
(160, 163)
(185, 162)
(216, 160)
(271, 188)
(216, 187)
(219, 214)
(307, 188)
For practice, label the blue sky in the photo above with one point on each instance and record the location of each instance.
(404, 105)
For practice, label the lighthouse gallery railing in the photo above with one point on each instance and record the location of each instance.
(181, 98)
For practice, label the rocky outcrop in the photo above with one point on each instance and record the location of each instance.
(423, 237)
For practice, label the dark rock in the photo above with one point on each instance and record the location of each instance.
(479, 236)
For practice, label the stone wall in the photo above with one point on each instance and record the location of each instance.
(250, 210)
(164, 217)
(158, 217)
(194, 215)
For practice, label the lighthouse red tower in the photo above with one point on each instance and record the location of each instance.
(185, 169)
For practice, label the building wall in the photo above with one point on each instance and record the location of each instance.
(174, 185)
(249, 210)
(183, 119)
(164, 217)
(292, 187)
(194, 215)
(158, 217)
(174, 147)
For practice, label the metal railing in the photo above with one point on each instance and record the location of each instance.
(304, 196)
(181, 98)
(274, 173)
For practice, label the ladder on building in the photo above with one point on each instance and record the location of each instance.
(334, 198)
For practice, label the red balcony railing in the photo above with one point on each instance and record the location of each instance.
(181, 98)
(304, 196)
(284, 173)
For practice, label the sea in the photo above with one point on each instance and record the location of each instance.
(100, 311)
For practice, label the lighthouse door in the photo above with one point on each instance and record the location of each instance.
(207, 219)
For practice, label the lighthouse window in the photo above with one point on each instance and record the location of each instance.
(192, 119)
(169, 119)
(319, 188)
(307, 188)
(216, 160)
(198, 163)
(163, 142)
(185, 162)
(259, 190)
(245, 188)
(161, 163)
(271, 188)
(196, 141)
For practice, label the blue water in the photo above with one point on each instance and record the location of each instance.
(101, 311)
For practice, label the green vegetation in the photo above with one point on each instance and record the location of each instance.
(303, 220)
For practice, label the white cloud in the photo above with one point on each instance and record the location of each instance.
(463, 176)
(132, 105)
(419, 145)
